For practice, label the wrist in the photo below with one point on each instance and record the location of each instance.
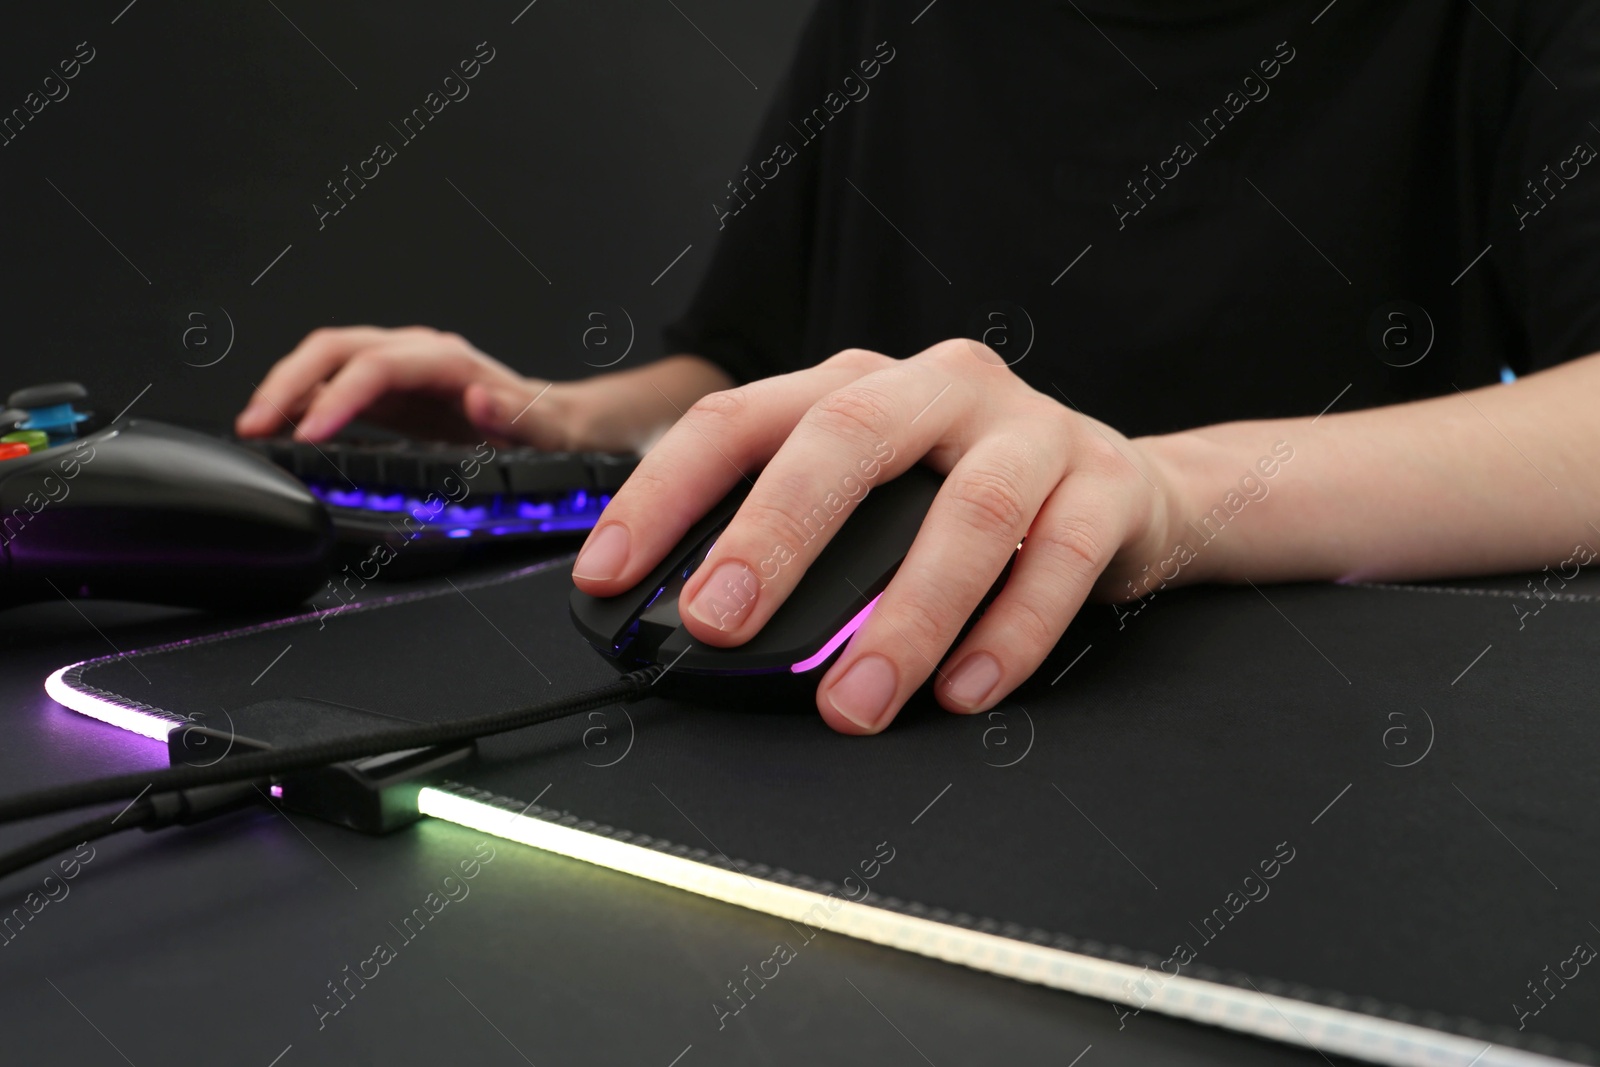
(598, 414)
(1177, 550)
(1221, 478)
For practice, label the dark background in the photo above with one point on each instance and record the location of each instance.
(200, 135)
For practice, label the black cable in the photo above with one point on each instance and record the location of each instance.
(263, 765)
(88, 830)
(185, 807)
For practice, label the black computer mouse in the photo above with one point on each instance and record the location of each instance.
(145, 511)
(641, 626)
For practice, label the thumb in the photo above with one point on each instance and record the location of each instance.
(524, 413)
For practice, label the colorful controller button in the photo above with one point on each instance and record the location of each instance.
(13, 450)
(34, 440)
(50, 409)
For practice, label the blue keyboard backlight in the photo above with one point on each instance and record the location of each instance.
(496, 516)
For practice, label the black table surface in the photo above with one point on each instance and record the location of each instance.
(214, 945)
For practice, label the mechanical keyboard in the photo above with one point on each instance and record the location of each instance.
(427, 494)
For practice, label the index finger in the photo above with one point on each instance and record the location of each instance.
(286, 390)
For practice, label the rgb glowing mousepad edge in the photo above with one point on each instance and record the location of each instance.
(1353, 798)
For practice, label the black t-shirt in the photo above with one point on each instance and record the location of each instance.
(1174, 213)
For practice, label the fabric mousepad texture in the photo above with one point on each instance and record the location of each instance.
(1377, 798)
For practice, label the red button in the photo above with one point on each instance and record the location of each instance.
(13, 450)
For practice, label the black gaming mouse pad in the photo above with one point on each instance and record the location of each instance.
(1380, 800)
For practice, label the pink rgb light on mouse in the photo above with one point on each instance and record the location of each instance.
(837, 639)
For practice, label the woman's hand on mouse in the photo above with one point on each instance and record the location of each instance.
(1018, 464)
(437, 385)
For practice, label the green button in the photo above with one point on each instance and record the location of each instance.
(36, 440)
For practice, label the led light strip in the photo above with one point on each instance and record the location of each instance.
(67, 687)
(146, 721)
(1327, 1030)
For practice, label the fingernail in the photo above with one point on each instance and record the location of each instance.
(727, 597)
(864, 693)
(972, 681)
(605, 554)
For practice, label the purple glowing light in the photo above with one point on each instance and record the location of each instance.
(363, 499)
(352, 498)
(276, 791)
(837, 639)
(155, 723)
(577, 509)
(145, 724)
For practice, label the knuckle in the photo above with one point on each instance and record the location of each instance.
(723, 406)
(458, 351)
(1075, 542)
(983, 353)
(764, 522)
(1097, 452)
(860, 359)
(372, 359)
(1036, 631)
(918, 634)
(990, 498)
(852, 413)
(963, 353)
(323, 337)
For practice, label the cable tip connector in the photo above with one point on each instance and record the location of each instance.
(185, 807)
(642, 679)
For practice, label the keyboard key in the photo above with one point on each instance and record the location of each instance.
(553, 472)
(611, 470)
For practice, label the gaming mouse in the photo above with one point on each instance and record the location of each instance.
(642, 626)
(145, 511)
